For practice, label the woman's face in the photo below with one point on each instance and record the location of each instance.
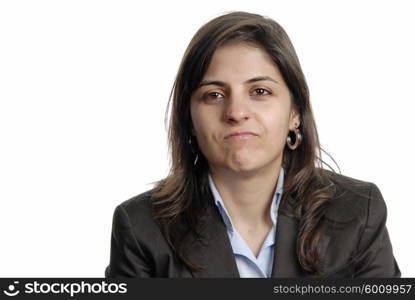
(242, 111)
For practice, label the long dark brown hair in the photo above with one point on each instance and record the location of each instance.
(178, 199)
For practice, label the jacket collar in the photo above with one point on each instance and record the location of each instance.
(215, 253)
(285, 255)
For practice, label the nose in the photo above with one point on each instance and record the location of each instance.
(236, 109)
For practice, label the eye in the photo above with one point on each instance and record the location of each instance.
(261, 92)
(212, 96)
(215, 94)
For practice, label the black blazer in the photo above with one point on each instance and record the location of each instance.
(355, 241)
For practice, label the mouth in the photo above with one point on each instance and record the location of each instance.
(241, 135)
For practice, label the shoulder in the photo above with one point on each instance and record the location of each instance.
(139, 204)
(136, 213)
(353, 198)
(138, 247)
(355, 239)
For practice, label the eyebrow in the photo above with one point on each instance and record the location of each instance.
(224, 84)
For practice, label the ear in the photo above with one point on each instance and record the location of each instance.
(294, 119)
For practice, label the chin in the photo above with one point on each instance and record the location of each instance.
(246, 162)
(244, 166)
(251, 165)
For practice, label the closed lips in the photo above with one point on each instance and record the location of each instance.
(244, 133)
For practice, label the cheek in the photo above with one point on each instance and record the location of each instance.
(196, 117)
(276, 127)
(199, 124)
(203, 124)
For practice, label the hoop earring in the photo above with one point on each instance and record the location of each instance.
(195, 162)
(298, 139)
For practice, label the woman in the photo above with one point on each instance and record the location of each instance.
(246, 195)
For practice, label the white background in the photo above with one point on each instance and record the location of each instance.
(83, 91)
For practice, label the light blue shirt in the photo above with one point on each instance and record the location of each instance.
(249, 265)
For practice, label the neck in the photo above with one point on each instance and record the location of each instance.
(247, 197)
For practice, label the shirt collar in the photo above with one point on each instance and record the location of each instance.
(224, 213)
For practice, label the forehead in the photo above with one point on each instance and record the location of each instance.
(239, 61)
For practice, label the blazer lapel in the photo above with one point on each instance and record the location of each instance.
(285, 257)
(214, 252)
